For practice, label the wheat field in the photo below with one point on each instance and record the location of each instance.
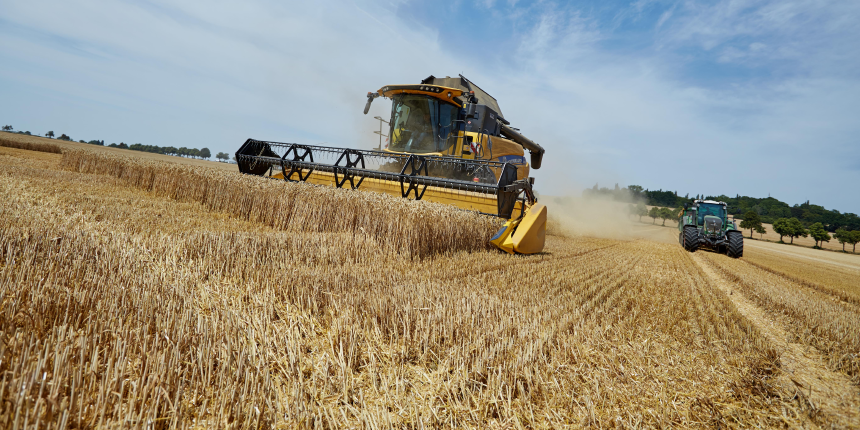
(140, 293)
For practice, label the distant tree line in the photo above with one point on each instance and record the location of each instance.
(203, 153)
(9, 129)
(803, 220)
(768, 209)
(166, 150)
(636, 193)
(792, 227)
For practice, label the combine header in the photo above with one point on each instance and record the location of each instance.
(449, 143)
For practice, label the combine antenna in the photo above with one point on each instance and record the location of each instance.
(379, 148)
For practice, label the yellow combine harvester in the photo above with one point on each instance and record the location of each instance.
(448, 143)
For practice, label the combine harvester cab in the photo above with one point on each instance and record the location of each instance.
(448, 143)
(706, 224)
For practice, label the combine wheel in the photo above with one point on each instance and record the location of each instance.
(736, 244)
(691, 238)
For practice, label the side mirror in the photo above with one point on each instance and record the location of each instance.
(370, 97)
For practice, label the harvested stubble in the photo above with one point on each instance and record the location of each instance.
(30, 146)
(124, 309)
(825, 318)
(840, 281)
(415, 229)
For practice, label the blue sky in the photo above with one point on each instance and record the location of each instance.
(716, 97)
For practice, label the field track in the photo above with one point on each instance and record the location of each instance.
(123, 306)
(836, 259)
(832, 393)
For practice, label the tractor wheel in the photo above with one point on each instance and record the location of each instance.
(736, 244)
(691, 238)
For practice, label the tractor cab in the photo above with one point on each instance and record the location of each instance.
(713, 211)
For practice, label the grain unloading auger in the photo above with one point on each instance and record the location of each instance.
(448, 143)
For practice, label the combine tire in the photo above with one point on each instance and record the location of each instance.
(736, 244)
(691, 238)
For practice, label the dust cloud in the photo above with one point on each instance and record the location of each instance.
(598, 216)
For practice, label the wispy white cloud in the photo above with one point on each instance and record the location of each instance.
(270, 70)
(806, 32)
(664, 17)
(732, 96)
(615, 116)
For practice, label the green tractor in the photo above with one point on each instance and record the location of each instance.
(706, 224)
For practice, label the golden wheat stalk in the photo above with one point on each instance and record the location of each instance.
(417, 229)
(31, 146)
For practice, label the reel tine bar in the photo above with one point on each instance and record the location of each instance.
(353, 159)
(296, 168)
(410, 177)
(257, 157)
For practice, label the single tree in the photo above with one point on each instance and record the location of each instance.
(223, 156)
(7, 128)
(843, 236)
(751, 221)
(666, 213)
(854, 239)
(205, 153)
(818, 233)
(654, 213)
(64, 137)
(50, 134)
(641, 210)
(782, 228)
(797, 229)
(761, 231)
